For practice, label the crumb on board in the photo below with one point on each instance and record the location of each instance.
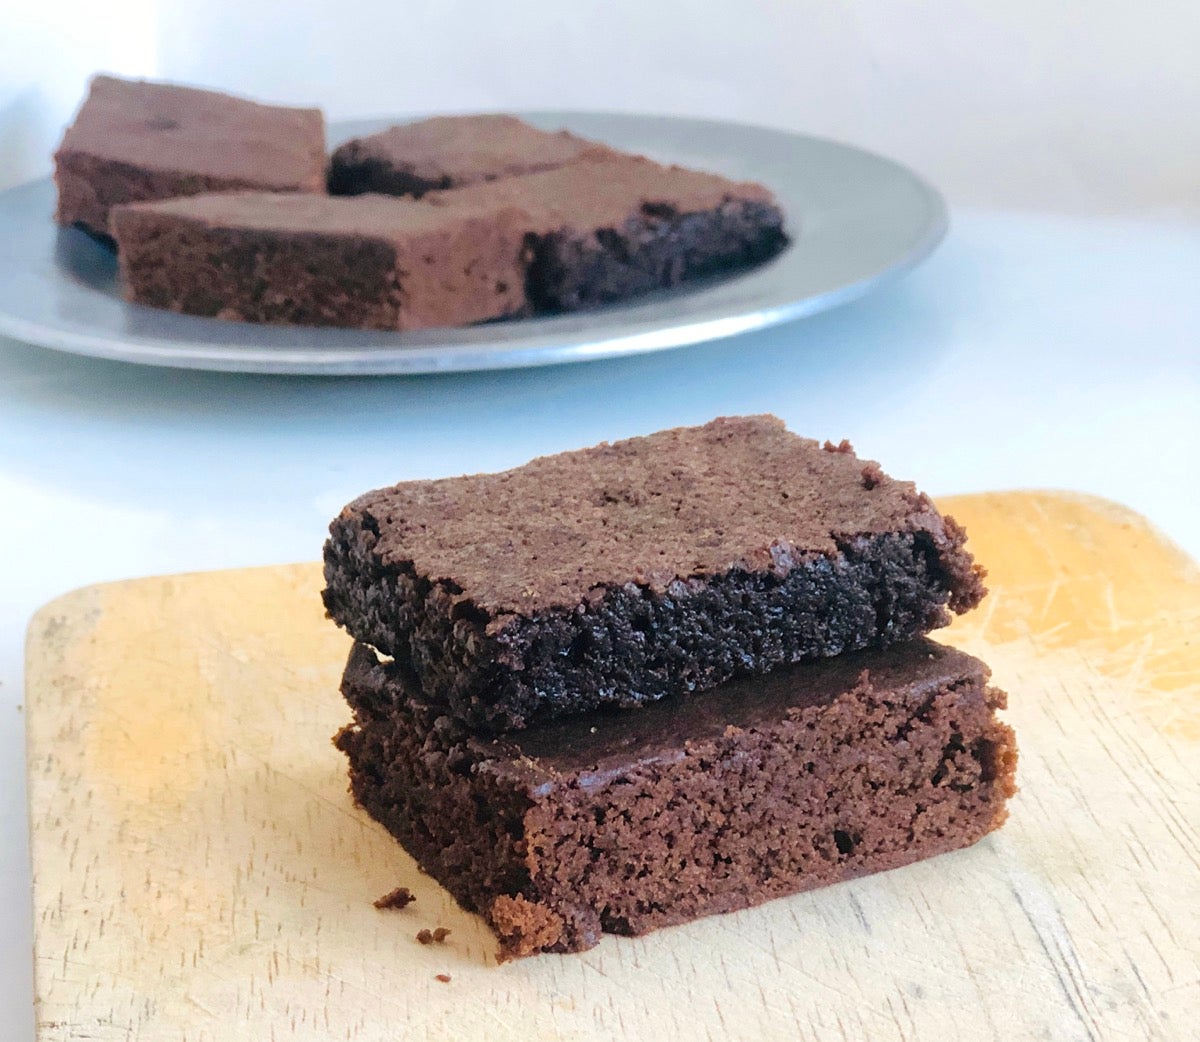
(443, 977)
(401, 897)
(433, 936)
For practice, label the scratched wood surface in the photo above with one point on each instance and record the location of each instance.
(201, 874)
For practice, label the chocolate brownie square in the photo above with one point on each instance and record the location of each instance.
(611, 227)
(134, 140)
(449, 152)
(626, 822)
(595, 232)
(620, 574)
(372, 262)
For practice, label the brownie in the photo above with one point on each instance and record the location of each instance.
(626, 822)
(587, 234)
(619, 574)
(613, 226)
(372, 261)
(134, 140)
(449, 152)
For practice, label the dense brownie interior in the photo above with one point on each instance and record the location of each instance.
(627, 572)
(623, 822)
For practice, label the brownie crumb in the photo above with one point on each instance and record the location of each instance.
(401, 897)
(433, 936)
(526, 927)
(872, 475)
(443, 977)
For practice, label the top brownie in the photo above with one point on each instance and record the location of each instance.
(622, 573)
(134, 140)
(449, 152)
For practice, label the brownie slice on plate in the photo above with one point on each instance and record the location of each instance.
(449, 152)
(590, 233)
(372, 262)
(620, 574)
(134, 140)
(623, 822)
(612, 226)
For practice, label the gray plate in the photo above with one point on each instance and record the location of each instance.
(856, 220)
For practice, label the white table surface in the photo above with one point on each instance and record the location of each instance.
(1029, 352)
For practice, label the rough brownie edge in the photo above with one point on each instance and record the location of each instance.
(656, 247)
(623, 823)
(353, 173)
(620, 638)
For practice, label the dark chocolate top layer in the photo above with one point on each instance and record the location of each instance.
(462, 150)
(604, 189)
(165, 127)
(593, 746)
(738, 493)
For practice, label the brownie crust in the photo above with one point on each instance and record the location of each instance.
(626, 822)
(449, 152)
(623, 573)
(373, 262)
(135, 140)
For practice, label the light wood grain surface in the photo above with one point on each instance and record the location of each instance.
(201, 874)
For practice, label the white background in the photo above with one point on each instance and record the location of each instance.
(1052, 341)
(1083, 106)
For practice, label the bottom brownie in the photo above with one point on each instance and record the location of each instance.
(627, 821)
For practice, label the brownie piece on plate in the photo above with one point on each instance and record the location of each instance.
(586, 234)
(626, 822)
(613, 226)
(449, 152)
(134, 140)
(623, 573)
(372, 262)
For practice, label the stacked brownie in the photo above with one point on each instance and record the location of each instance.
(624, 687)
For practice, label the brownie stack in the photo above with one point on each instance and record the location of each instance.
(624, 687)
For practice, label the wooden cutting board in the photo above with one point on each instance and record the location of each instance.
(201, 874)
